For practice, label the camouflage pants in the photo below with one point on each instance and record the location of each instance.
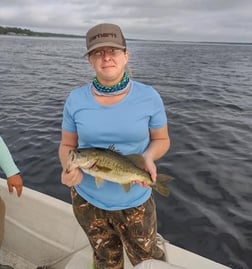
(109, 231)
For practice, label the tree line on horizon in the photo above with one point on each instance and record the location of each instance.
(27, 32)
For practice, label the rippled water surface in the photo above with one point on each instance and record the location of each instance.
(207, 91)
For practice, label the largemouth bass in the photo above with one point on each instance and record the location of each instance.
(109, 164)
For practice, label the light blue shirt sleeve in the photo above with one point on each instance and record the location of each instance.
(7, 163)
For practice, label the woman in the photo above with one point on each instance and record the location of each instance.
(14, 179)
(114, 110)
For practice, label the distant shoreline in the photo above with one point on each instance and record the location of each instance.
(26, 32)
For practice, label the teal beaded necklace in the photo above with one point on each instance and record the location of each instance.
(116, 89)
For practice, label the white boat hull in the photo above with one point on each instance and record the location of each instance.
(42, 230)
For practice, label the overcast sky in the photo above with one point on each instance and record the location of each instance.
(177, 20)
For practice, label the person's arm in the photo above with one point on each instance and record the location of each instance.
(6, 161)
(68, 141)
(10, 169)
(159, 145)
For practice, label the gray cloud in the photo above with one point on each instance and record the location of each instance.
(192, 20)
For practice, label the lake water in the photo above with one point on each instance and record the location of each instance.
(207, 91)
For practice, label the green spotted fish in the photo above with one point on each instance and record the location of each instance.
(109, 164)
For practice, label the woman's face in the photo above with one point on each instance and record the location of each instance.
(109, 64)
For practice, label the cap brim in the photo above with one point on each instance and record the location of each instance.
(104, 44)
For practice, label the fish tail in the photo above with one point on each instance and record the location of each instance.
(161, 184)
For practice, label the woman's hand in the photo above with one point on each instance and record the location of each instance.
(151, 168)
(71, 178)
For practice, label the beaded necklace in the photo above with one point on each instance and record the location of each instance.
(116, 89)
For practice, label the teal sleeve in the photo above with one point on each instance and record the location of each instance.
(7, 163)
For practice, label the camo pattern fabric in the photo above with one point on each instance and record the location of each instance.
(109, 231)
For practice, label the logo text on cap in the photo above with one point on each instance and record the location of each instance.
(113, 35)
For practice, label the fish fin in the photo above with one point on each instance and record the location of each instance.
(126, 187)
(161, 184)
(113, 148)
(98, 181)
(137, 159)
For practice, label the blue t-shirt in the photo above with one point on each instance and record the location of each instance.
(125, 125)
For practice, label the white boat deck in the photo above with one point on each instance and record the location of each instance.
(43, 232)
(80, 259)
(11, 259)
